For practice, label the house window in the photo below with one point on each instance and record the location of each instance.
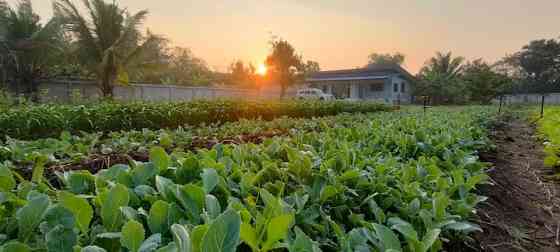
(376, 87)
(403, 87)
(396, 87)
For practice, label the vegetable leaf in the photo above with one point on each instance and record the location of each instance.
(132, 235)
(223, 233)
(80, 207)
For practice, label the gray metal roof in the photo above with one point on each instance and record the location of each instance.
(341, 78)
(372, 72)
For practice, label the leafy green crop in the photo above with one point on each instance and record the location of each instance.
(40, 121)
(378, 182)
(549, 129)
(73, 149)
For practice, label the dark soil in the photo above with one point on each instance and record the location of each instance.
(98, 161)
(522, 211)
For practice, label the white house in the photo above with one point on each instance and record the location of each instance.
(386, 83)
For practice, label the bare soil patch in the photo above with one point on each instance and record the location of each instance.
(522, 212)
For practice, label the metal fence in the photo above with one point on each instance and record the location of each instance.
(534, 98)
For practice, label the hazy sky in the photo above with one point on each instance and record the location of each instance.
(341, 34)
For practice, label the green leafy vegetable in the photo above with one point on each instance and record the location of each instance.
(111, 202)
(223, 233)
(132, 235)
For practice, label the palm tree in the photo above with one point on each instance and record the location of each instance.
(27, 48)
(108, 39)
(440, 78)
(445, 65)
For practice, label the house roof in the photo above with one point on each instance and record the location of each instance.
(372, 72)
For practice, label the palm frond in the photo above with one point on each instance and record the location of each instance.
(130, 30)
(3, 9)
(107, 22)
(150, 40)
(77, 24)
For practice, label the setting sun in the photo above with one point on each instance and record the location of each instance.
(262, 69)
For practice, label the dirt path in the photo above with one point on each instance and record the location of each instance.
(522, 211)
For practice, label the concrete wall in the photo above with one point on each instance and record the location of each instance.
(552, 98)
(402, 96)
(65, 91)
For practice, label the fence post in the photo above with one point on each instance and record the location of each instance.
(542, 106)
(170, 93)
(501, 100)
(425, 101)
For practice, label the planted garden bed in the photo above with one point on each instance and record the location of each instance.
(549, 130)
(41, 121)
(392, 181)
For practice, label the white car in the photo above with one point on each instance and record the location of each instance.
(313, 93)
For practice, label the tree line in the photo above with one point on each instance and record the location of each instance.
(449, 79)
(105, 42)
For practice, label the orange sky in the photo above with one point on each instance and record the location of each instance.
(341, 34)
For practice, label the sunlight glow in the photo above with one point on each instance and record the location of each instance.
(261, 69)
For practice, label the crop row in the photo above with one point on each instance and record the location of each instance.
(39, 121)
(549, 129)
(70, 149)
(392, 182)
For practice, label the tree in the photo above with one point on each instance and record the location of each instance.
(27, 48)
(154, 64)
(510, 67)
(109, 39)
(241, 74)
(284, 63)
(482, 82)
(386, 59)
(440, 79)
(178, 66)
(540, 60)
(187, 69)
(311, 67)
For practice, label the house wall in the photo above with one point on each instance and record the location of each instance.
(380, 96)
(400, 95)
(358, 89)
(355, 90)
(336, 88)
(387, 95)
(361, 89)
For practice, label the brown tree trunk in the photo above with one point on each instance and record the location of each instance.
(108, 73)
(106, 89)
(282, 91)
(106, 85)
(34, 90)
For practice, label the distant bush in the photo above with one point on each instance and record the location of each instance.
(38, 121)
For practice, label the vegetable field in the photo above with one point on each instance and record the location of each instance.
(549, 129)
(386, 181)
(48, 120)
